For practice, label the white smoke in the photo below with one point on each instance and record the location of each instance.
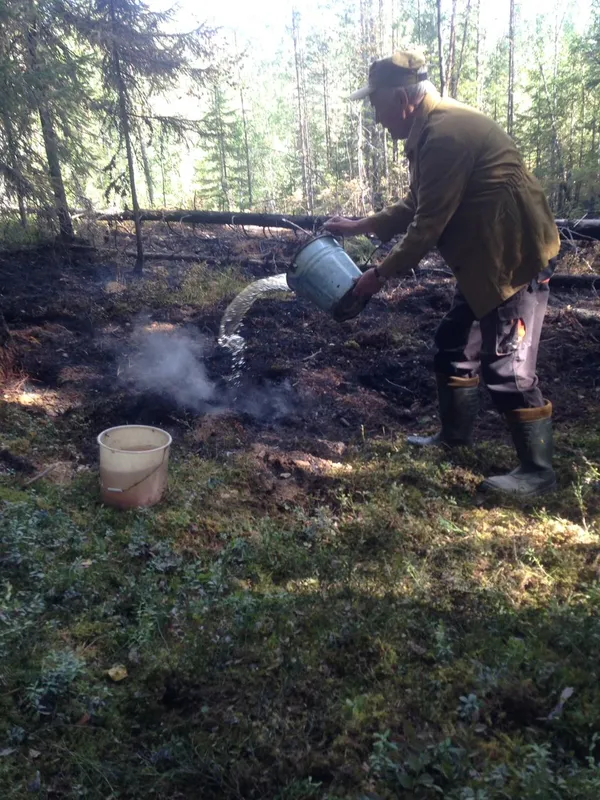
(170, 363)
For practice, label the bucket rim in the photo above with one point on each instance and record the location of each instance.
(304, 245)
(168, 443)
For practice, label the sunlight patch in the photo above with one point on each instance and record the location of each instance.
(153, 327)
(50, 401)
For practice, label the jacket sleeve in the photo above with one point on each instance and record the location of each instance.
(445, 166)
(393, 219)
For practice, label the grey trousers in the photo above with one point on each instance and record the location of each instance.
(501, 347)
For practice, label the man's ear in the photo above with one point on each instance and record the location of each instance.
(401, 98)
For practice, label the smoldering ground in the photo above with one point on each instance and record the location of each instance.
(172, 363)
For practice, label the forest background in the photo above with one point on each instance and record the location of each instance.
(115, 103)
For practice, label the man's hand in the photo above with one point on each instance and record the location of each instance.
(342, 226)
(368, 284)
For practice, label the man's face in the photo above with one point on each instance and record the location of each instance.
(391, 111)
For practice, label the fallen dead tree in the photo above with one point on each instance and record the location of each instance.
(219, 218)
(563, 281)
(571, 229)
(579, 229)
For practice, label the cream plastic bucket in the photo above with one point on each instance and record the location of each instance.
(134, 460)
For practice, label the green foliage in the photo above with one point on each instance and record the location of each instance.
(221, 174)
(254, 131)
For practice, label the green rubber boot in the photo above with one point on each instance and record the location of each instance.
(531, 430)
(458, 405)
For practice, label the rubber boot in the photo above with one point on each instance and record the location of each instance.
(458, 405)
(531, 430)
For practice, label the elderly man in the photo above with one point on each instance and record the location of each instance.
(471, 196)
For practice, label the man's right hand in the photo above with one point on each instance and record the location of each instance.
(342, 226)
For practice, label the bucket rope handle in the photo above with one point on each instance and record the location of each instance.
(370, 258)
(141, 480)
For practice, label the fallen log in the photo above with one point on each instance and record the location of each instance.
(219, 218)
(570, 229)
(563, 281)
(579, 229)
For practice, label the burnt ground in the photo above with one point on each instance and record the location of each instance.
(306, 379)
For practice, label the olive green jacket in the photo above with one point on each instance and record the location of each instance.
(472, 196)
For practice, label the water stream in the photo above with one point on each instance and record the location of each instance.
(229, 338)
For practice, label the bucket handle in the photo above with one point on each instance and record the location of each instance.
(321, 233)
(141, 480)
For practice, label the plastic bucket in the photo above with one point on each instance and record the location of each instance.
(134, 460)
(324, 273)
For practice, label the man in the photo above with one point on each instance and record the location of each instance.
(471, 195)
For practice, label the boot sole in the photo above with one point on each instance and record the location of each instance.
(484, 486)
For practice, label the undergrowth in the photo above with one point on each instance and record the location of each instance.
(198, 286)
(386, 636)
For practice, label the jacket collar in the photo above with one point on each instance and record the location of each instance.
(430, 102)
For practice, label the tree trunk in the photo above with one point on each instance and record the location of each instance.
(361, 161)
(302, 129)
(125, 128)
(55, 171)
(327, 123)
(13, 160)
(478, 81)
(147, 170)
(162, 168)
(538, 133)
(451, 65)
(308, 144)
(50, 140)
(557, 150)
(459, 65)
(582, 110)
(510, 111)
(244, 127)
(222, 147)
(246, 147)
(440, 47)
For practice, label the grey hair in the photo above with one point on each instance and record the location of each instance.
(416, 93)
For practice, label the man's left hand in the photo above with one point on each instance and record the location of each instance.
(368, 284)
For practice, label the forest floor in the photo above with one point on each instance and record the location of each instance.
(315, 610)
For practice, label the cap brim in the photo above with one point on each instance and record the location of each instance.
(360, 94)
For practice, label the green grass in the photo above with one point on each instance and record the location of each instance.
(385, 637)
(14, 236)
(198, 286)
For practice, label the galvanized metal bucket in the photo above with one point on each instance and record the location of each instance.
(324, 273)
